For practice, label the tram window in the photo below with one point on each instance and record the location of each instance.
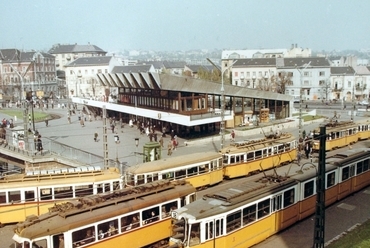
(202, 169)
(46, 194)
(270, 152)
(345, 173)
(180, 174)
(140, 179)
(155, 177)
(359, 168)
(233, 221)
(219, 228)
(149, 178)
(167, 208)
(63, 192)
(83, 190)
(276, 202)
(29, 195)
(249, 214)
(168, 175)
(40, 243)
(2, 197)
(192, 171)
(130, 180)
(99, 188)
(330, 179)
(14, 196)
(150, 215)
(281, 148)
(232, 159)
(107, 187)
(288, 197)
(195, 234)
(258, 154)
(107, 229)
(366, 165)
(83, 236)
(250, 156)
(286, 146)
(130, 222)
(226, 159)
(58, 241)
(209, 230)
(308, 189)
(263, 208)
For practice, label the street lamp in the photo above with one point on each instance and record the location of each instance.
(300, 102)
(353, 97)
(222, 124)
(136, 144)
(253, 80)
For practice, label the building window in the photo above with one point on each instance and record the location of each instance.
(321, 73)
(248, 74)
(236, 74)
(349, 84)
(306, 74)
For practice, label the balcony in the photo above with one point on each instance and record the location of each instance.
(337, 89)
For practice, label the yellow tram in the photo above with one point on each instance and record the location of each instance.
(363, 130)
(246, 213)
(251, 156)
(131, 217)
(338, 134)
(199, 169)
(33, 193)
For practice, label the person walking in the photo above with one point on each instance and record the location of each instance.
(161, 141)
(82, 123)
(232, 136)
(112, 126)
(47, 122)
(96, 136)
(39, 144)
(169, 148)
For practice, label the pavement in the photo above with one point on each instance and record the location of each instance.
(74, 135)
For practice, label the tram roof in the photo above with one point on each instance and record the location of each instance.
(151, 80)
(172, 162)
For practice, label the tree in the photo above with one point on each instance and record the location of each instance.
(326, 88)
(283, 80)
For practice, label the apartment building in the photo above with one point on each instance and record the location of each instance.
(21, 72)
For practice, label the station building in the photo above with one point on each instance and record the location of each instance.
(189, 106)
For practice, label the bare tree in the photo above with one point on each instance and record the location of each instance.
(325, 85)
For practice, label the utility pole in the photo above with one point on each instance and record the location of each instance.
(105, 138)
(300, 138)
(319, 228)
(222, 123)
(353, 97)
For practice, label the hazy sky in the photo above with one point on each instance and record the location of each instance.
(169, 25)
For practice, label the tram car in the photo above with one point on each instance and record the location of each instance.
(338, 134)
(251, 156)
(199, 169)
(244, 214)
(32, 193)
(363, 130)
(131, 217)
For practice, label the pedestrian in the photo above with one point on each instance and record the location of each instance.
(69, 119)
(95, 136)
(39, 144)
(130, 123)
(299, 157)
(175, 142)
(47, 122)
(169, 148)
(112, 127)
(150, 136)
(161, 141)
(232, 136)
(155, 137)
(82, 123)
(90, 118)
